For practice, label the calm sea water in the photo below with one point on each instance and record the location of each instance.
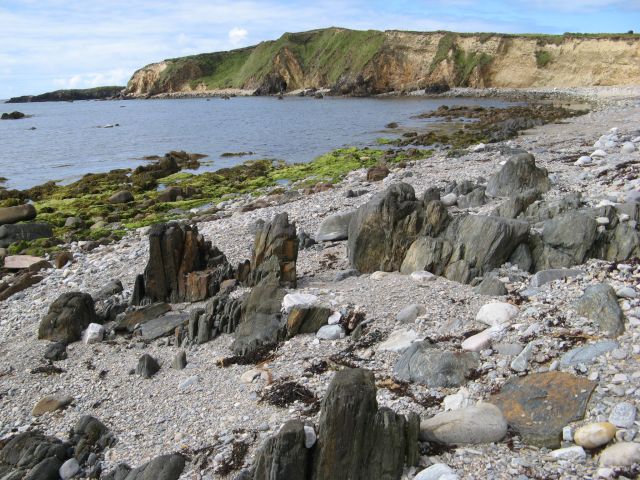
(68, 142)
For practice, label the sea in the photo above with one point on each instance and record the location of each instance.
(62, 141)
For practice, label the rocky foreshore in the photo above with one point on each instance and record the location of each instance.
(467, 316)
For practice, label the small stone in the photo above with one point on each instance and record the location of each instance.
(422, 277)
(482, 341)
(482, 423)
(331, 332)
(123, 196)
(250, 375)
(599, 153)
(508, 349)
(298, 300)
(575, 454)
(409, 313)
(436, 472)
(521, 362)
(93, 334)
(583, 161)
(602, 220)
(334, 318)
(69, 469)
(180, 360)
(627, 292)
(310, 436)
(588, 353)
(457, 400)
(623, 415)
(449, 199)
(188, 382)
(51, 403)
(567, 434)
(546, 276)
(379, 275)
(594, 435)
(147, 366)
(497, 313)
(628, 147)
(399, 341)
(56, 351)
(622, 454)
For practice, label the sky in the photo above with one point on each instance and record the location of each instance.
(51, 44)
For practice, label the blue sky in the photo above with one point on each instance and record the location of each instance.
(51, 44)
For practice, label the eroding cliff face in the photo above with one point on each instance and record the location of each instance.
(363, 63)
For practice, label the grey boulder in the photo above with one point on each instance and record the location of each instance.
(335, 227)
(483, 423)
(517, 176)
(600, 304)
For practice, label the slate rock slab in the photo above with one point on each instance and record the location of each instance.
(539, 405)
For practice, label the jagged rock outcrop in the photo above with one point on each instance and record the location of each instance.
(222, 314)
(519, 175)
(182, 266)
(275, 249)
(356, 440)
(33, 455)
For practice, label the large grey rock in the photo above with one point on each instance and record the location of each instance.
(588, 353)
(20, 213)
(483, 423)
(356, 439)
(163, 467)
(135, 316)
(262, 322)
(382, 230)
(163, 325)
(423, 363)
(275, 248)
(23, 231)
(335, 227)
(564, 242)
(283, 456)
(546, 276)
(600, 304)
(68, 316)
(475, 198)
(90, 436)
(517, 176)
(33, 455)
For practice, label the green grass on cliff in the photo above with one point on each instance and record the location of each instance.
(327, 53)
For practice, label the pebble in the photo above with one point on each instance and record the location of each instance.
(627, 292)
(437, 471)
(573, 454)
(69, 469)
(188, 382)
(399, 341)
(310, 436)
(497, 313)
(521, 362)
(449, 199)
(623, 415)
(622, 454)
(423, 278)
(599, 153)
(93, 334)
(331, 332)
(409, 313)
(628, 147)
(584, 160)
(594, 435)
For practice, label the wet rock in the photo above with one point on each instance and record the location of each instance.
(483, 423)
(356, 439)
(599, 303)
(147, 366)
(23, 231)
(545, 276)
(51, 403)
(424, 364)
(284, 455)
(335, 227)
(20, 213)
(182, 266)
(68, 316)
(123, 196)
(275, 248)
(519, 175)
(526, 402)
(622, 454)
(587, 354)
(55, 351)
(594, 435)
(491, 286)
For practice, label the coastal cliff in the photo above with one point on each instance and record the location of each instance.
(371, 62)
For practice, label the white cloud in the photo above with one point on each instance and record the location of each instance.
(237, 35)
(87, 80)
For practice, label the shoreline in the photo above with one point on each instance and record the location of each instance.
(218, 409)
